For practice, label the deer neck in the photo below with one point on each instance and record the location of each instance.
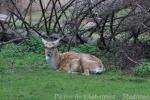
(53, 59)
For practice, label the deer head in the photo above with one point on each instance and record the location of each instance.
(50, 44)
(51, 52)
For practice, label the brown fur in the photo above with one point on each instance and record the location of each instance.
(78, 62)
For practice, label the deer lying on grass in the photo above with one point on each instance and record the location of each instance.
(71, 61)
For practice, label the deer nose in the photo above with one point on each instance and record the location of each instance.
(49, 55)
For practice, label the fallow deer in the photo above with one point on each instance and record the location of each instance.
(71, 61)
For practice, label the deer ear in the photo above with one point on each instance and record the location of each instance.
(57, 42)
(44, 41)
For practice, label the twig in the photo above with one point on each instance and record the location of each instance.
(13, 40)
(129, 58)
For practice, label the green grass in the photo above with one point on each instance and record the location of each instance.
(26, 76)
(46, 84)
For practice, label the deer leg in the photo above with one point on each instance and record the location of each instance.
(86, 72)
(74, 66)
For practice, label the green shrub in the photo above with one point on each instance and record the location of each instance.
(33, 45)
(91, 49)
(29, 45)
(12, 50)
(143, 69)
